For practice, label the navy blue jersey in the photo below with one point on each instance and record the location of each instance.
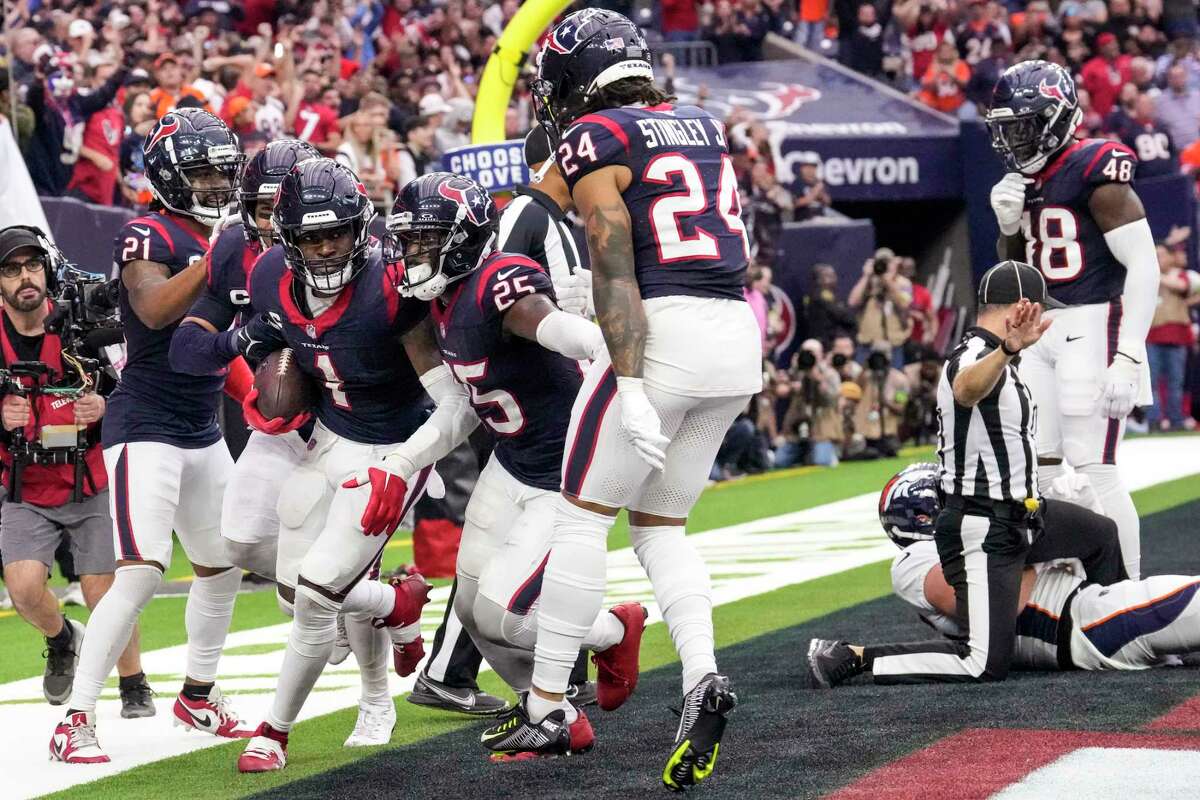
(688, 236)
(369, 391)
(520, 390)
(1155, 151)
(152, 402)
(1061, 237)
(226, 295)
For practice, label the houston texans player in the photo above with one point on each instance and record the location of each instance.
(326, 294)
(511, 361)
(656, 189)
(1066, 206)
(166, 461)
(1066, 621)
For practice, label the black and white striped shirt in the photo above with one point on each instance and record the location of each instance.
(533, 225)
(987, 450)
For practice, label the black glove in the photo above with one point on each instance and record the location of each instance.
(260, 337)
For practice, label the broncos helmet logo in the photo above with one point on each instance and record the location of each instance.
(166, 126)
(471, 204)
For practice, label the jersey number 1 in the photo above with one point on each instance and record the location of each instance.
(333, 381)
(667, 211)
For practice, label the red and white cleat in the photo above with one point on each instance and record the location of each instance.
(213, 715)
(74, 741)
(265, 752)
(412, 593)
(617, 667)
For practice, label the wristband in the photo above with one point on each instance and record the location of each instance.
(1006, 351)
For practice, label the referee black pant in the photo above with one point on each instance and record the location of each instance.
(984, 547)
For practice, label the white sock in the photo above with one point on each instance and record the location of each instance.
(538, 708)
(108, 631)
(572, 593)
(308, 648)
(681, 586)
(1118, 506)
(370, 597)
(207, 616)
(606, 631)
(372, 650)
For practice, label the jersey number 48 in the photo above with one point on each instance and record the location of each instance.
(1054, 247)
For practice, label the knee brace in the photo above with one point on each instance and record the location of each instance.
(315, 626)
(675, 569)
(136, 585)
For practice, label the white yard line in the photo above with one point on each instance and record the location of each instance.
(746, 560)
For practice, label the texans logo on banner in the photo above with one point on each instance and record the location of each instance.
(496, 167)
(771, 101)
(781, 329)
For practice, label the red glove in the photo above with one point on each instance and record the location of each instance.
(406, 657)
(386, 506)
(272, 426)
(239, 380)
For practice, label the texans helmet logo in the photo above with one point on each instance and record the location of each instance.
(166, 126)
(1053, 91)
(565, 37)
(459, 195)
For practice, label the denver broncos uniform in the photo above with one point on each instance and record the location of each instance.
(703, 353)
(166, 460)
(1069, 623)
(1065, 369)
(370, 399)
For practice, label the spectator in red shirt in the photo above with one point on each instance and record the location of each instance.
(311, 119)
(924, 27)
(921, 311)
(1105, 74)
(94, 179)
(680, 22)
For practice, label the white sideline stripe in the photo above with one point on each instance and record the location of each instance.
(1111, 773)
(746, 559)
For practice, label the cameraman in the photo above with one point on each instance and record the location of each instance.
(812, 420)
(32, 529)
(882, 297)
(884, 397)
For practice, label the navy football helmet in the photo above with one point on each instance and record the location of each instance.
(442, 227)
(263, 174)
(584, 53)
(193, 164)
(909, 504)
(322, 203)
(1034, 114)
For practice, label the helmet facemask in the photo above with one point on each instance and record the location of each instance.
(326, 256)
(211, 184)
(423, 250)
(1026, 142)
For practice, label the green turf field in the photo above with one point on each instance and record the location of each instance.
(316, 744)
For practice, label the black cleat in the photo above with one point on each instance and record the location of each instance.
(435, 694)
(831, 663)
(60, 665)
(698, 739)
(582, 694)
(138, 700)
(515, 738)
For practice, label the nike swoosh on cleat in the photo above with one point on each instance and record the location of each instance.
(468, 699)
(205, 720)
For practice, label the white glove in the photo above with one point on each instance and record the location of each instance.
(222, 224)
(1075, 487)
(1122, 384)
(575, 294)
(1008, 201)
(641, 423)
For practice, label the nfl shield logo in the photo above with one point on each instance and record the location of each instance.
(310, 330)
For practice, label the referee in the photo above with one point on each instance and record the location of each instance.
(990, 524)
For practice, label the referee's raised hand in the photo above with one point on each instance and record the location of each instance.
(1024, 325)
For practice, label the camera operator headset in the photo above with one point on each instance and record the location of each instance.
(53, 468)
(882, 297)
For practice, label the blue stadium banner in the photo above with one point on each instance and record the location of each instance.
(496, 167)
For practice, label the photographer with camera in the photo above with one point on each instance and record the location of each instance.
(884, 397)
(812, 425)
(882, 296)
(52, 440)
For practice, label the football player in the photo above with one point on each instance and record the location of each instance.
(1066, 207)
(1065, 622)
(166, 461)
(511, 361)
(655, 187)
(326, 294)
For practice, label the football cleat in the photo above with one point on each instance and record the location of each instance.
(74, 740)
(60, 665)
(617, 667)
(698, 739)
(412, 593)
(581, 694)
(213, 714)
(468, 700)
(831, 663)
(73, 595)
(341, 642)
(515, 738)
(137, 701)
(265, 752)
(374, 726)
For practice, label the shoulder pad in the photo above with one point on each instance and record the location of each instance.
(1108, 162)
(144, 239)
(505, 278)
(595, 140)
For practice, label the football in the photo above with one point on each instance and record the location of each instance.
(283, 388)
